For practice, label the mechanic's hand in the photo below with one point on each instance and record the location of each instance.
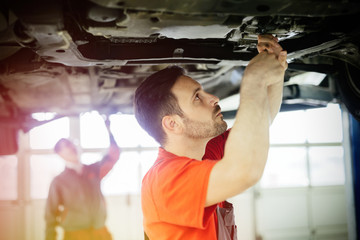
(265, 69)
(269, 43)
(268, 67)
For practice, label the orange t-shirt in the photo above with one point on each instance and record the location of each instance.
(173, 196)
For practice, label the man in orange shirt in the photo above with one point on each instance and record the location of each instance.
(183, 190)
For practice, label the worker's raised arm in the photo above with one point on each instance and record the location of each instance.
(112, 155)
(247, 146)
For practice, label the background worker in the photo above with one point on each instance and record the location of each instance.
(75, 200)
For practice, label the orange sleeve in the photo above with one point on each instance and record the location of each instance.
(180, 190)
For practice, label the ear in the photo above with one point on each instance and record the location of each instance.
(172, 124)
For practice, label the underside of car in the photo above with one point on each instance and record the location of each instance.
(71, 57)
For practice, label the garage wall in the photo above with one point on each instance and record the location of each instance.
(307, 213)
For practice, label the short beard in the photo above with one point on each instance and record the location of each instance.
(200, 130)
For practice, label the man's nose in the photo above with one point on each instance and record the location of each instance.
(213, 99)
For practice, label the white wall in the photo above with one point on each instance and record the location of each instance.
(303, 213)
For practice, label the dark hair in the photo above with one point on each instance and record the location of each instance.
(59, 145)
(154, 100)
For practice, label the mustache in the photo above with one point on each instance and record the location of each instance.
(217, 109)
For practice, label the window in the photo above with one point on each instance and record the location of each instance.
(139, 151)
(137, 155)
(128, 132)
(93, 133)
(90, 157)
(286, 167)
(288, 127)
(326, 166)
(125, 176)
(125, 129)
(305, 149)
(43, 169)
(8, 177)
(45, 136)
(147, 159)
(324, 125)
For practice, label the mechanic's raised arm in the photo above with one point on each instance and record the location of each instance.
(247, 146)
(270, 44)
(112, 155)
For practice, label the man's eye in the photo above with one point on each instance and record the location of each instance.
(197, 97)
